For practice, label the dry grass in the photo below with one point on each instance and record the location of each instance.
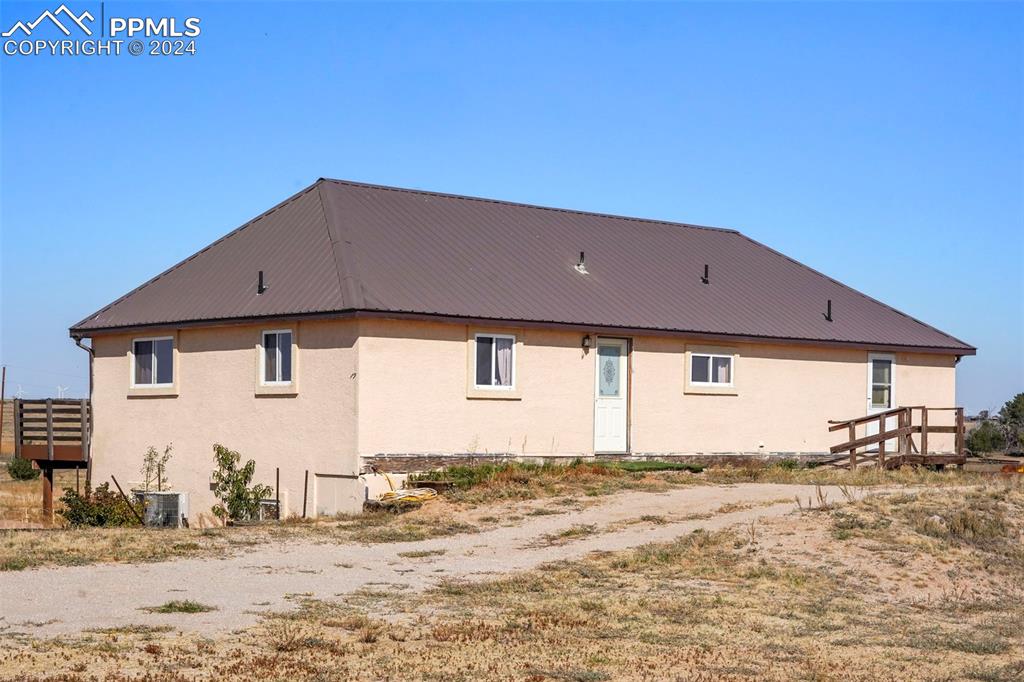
(453, 515)
(21, 501)
(487, 483)
(729, 605)
(465, 511)
(21, 549)
(826, 475)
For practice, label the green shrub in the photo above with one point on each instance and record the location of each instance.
(100, 507)
(986, 437)
(238, 501)
(21, 469)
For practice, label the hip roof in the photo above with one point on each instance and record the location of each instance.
(346, 247)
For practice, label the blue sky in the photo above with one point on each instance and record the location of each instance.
(882, 144)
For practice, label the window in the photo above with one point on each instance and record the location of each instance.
(277, 357)
(495, 361)
(154, 362)
(881, 382)
(710, 370)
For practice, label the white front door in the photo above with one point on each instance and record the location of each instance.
(611, 402)
(882, 395)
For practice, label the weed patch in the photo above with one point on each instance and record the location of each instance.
(180, 606)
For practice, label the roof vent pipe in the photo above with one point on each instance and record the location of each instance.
(260, 286)
(705, 278)
(828, 314)
(581, 267)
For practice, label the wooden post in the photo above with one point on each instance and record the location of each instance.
(305, 488)
(277, 491)
(124, 497)
(924, 431)
(959, 431)
(48, 492)
(853, 451)
(881, 443)
(49, 429)
(901, 443)
(84, 417)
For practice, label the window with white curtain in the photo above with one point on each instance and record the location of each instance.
(153, 361)
(495, 361)
(709, 369)
(277, 357)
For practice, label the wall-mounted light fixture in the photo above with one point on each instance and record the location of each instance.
(586, 341)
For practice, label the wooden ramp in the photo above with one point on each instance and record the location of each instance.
(871, 449)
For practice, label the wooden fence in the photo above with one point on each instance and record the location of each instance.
(907, 451)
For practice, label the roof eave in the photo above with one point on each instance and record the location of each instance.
(79, 331)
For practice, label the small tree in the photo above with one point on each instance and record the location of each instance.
(986, 437)
(21, 469)
(238, 501)
(1012, 419)
(154, 468)
(1013, 411)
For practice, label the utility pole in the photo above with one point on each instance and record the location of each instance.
(3, 394)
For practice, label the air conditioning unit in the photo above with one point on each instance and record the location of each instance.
(165, 509)
(269, 510)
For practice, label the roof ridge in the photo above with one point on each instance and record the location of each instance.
(341, 248)
(857, 291)
(195, 255)
(505, 202)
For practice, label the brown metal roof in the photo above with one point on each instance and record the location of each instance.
(350, 247)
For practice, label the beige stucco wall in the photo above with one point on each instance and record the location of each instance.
(413, 397)
(217, 401)
(385, 387)
(784, 397)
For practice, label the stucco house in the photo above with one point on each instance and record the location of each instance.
(355, 325)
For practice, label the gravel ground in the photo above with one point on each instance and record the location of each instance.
(54, 601)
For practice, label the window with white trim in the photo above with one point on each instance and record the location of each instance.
(495, 361)
(276, 363)
(881, 382)
(710, 369)
(153, 362)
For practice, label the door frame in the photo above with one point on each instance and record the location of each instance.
(628, 364)
(891, 444)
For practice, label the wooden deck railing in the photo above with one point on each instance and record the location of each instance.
(55, 434)
(906, 428)
(52, 430)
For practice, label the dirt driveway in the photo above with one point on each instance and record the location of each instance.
(54, 601)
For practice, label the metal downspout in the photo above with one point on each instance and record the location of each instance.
(88, 466)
